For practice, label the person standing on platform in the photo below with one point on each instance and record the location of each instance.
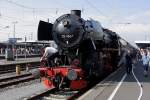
(128, 62)
(149, 57)
(145, 61)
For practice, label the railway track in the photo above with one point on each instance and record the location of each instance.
(54, 94)
(13, 80)
(12, 68)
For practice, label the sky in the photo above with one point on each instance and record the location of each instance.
(128, 18)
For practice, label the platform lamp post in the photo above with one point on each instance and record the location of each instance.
(123, 24)
(27, 67)
(120, 25)
(4, 27)
(8, 36)
(25, 47)
(14, 40)
(15, 22)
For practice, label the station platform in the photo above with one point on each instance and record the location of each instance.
(10, 66)
(2, 56)
(120, 86)
(19, 61)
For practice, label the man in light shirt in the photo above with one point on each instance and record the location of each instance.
(49, 55)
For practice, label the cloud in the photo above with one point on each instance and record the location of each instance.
(134, 27)
(141, 17)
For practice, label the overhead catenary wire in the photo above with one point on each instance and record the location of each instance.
(17, 4)
(35, 10)
(8, 18)
(23, 6)
(95, 8)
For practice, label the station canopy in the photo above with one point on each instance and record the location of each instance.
(143, 44)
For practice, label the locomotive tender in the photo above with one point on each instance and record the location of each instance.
(86, 50)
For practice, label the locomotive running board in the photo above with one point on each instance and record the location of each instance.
(45, 31)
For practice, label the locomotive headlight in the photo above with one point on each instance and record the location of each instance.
(72, 75)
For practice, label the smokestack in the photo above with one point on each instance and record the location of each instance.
(76, 12)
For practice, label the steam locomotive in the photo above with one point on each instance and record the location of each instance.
(86, 50)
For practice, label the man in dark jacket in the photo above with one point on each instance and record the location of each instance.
(128, 62)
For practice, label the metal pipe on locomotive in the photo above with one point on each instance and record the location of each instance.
(86, 51)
